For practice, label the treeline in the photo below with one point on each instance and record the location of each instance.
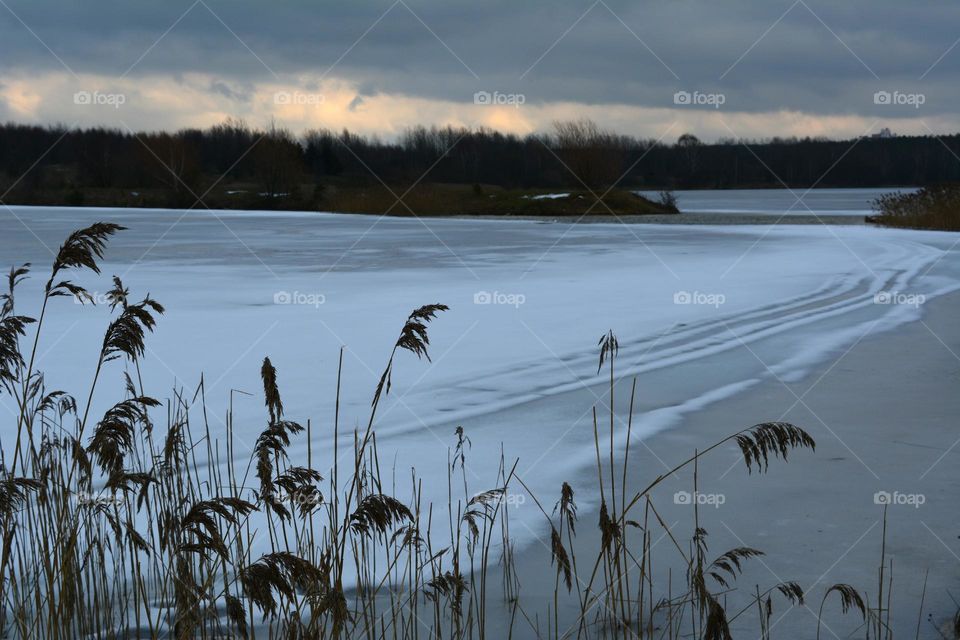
(274, 163)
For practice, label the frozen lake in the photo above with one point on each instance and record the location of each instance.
(780, 202)
(701, 313)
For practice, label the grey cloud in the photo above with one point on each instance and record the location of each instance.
(807, 62)
(240, 94)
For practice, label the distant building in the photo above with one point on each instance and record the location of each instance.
(884, 133)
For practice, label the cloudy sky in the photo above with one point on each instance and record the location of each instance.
(655, 68)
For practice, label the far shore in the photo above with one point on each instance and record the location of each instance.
(681, 218)
(691, 219)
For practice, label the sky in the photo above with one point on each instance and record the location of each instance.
(651, 68)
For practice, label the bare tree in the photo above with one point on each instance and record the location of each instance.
(174, 163)
(278, 161)
(593, 155)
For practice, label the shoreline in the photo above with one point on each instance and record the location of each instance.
(689, 219)
(882, 416)
(706, 219)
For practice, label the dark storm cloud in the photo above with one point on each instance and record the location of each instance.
(808, 55)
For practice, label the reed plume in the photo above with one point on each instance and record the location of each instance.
(559, 555)
(481, 507)
(281, 572)
(609, 347)
(413, 338)
(125, 335)
(771, 439)
(376, 513)
(15, 276)
(113, 437)
(567, 507)
(850, 598)
(81, 249)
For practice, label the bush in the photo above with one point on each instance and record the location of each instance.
(668, 199)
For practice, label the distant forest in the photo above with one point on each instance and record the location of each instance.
(42, 164)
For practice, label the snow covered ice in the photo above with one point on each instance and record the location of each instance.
(701, 313)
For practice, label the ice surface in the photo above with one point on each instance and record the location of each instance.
(700, 312)
(778, 202)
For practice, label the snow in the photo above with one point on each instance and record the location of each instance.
(779, 202)
(549, 196)
(528, 304)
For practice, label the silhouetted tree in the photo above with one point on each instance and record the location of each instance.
(278, 159)
(593, 155)
(174, 163)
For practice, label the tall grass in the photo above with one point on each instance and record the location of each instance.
(114, 526)
(934, 207)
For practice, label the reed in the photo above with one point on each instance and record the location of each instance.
(933, 207)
